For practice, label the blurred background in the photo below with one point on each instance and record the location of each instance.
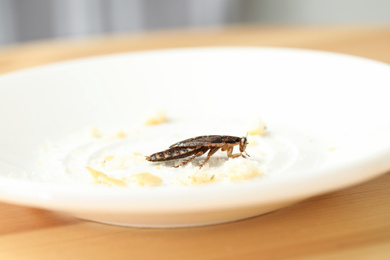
(29, 20)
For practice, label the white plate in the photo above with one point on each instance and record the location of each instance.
(326, 116)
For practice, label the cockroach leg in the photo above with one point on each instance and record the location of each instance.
(230, 155)
(200, 153)
(225, 147)
(237, 155)
(185, 162)
(211, 152)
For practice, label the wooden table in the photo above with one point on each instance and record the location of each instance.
(353, 223)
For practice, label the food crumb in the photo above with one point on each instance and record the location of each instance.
(119, 162)
(109, 157)
(39, 163)
(121, 135)
(331, 149)
(258, 127)
(146, 179)
(196, 178)
(95, 132)
(159, 118)
(201, 178)
(252, 142)
(242, 169)
(102, 178)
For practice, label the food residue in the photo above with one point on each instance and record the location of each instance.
(159, 118)
(258, 127)
(146, 179)
(241, 169)
(102, 178)
(121, 135)
(95, 132)
(195, 178)
(116, 157)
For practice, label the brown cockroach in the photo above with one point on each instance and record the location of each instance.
(198, 146)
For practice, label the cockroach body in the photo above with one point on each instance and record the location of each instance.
(198, 146)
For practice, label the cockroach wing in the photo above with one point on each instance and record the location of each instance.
(204, 140)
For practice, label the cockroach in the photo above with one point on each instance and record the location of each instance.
(197, 146)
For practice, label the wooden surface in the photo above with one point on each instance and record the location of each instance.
(353, 223)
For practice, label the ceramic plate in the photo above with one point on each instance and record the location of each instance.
(326, 128)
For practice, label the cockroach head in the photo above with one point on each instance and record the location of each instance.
(243, 143)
